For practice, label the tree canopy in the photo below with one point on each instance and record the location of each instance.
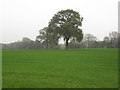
(66, 24)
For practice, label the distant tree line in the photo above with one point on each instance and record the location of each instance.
(88, 41)
(26, 43)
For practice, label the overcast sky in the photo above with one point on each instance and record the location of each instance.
(24, 18)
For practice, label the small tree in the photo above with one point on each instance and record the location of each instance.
(89, 40)
(48, 39)
(113, 36)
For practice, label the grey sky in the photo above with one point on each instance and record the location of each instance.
(24, 18)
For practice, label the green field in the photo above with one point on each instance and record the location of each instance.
(80, 68)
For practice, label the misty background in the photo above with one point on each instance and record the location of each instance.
(24, 18)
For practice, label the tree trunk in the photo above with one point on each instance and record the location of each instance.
(66, 44)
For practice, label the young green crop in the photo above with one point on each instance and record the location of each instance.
(78, 68)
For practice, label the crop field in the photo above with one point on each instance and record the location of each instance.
(77, 68)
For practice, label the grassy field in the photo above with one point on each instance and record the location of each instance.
(80, 68)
